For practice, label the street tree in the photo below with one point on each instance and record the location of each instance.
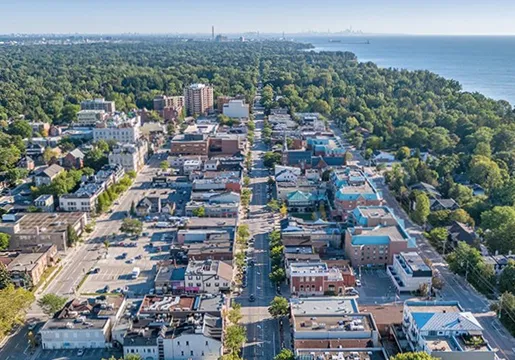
(73, 238)
(51, 303)
(283, 210)
(164, 165)
(273, 205)
(285, 354)
(246, 181)
(277, 276)
(413, 356)
(279, 307)
(235, 337)
(131, 226)
(507, 278)
(5, 277)
(422, 208)
(234, 315)
(4, 241)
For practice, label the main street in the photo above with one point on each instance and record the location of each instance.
(455, 287)
(262, 331)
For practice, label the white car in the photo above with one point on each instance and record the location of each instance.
(358, 282)
(80, 352)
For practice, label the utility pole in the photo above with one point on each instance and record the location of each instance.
(500, 309)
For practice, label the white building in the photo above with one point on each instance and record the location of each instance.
(409, 272)
(236, 109)
(121, 128)
(443, 330)
(130, 156)
(90, 118)
(209, 276)
(286, 175)
(292, 169)
(191, 165)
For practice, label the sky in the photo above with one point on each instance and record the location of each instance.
(449, 17)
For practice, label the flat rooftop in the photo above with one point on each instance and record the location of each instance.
(210, 222)
(45, 222)
(74, 324)
(24, 262)
(340, 354)
(332, 322)
(414, 261)
(433, 307)
(379, 235)
(186, 303)
(375, 211)
(330, 305)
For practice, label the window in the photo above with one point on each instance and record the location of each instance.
(187, 343)
(199, 284)
(191, 352)
(217, 284)
(207, 344)
(202, 353)
(178, 343)
(182, 353)
(208, 284)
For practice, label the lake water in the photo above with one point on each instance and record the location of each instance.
(485, 64)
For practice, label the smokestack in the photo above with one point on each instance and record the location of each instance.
(213, 32)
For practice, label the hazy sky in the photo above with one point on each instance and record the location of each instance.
(232, 16)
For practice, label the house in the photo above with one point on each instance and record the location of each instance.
(429, 189)
(148, 205)
(74, 160)
(409, 272)
(443, 204)
(443, 330)
(286, 175)
(461, 232)
(45, 203)
(46, 176)
(211, 165)
(83, 324)
(477, 190)
(26, 163)
(208, 276)
(383, 157)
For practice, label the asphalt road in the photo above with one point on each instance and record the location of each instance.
(263, 339)
(456, 287)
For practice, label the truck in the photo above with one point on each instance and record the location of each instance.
(135, 272)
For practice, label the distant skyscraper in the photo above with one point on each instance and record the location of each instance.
(213, 32)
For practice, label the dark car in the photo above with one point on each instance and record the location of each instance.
(252, 298)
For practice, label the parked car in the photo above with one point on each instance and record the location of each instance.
(252, 298)
(80, 352)
(358, 282)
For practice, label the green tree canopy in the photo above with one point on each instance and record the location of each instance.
(279, 307)
(51, 303)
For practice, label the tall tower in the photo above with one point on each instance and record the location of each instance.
(213, 32)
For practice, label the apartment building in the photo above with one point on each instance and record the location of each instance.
(121, 127)
(409, 272)
(315, 279)
(90, 118)
(98, 104)
(130, 156)
(208, 276)
(169, 107)
(445, 331)
(198, 99)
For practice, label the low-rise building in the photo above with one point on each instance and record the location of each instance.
(315, 279)
(301, 202)
(83, 324)
(189, 144)
(443, 330)
(98, 104)
(220, 210)
(121, 127)
(73, 160)
(226, 144)
(409, 272)
(131, 156)
(208, 276)
(46, 176)
(27, 266)
(236, 109)
(45, 203)
(30, 230)
(90, 118)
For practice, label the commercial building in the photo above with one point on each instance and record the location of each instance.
(131, 156)
(98, 104)
(221, 100)
(90, 118)
(121, 127)
(83, 324)
(332, 325)
(198, 99)
(189, 144)
(222, 210)
(409, 272)
(236, 109)
(169, 107)
(35, 229)
(27, 266)
(443, 330)
(226, 144)
(208, 276)
(315, 279)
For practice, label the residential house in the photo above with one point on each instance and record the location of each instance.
(462, 232)
(45, 203)
(443, 204)
(208, 276)
(26, 163)
(46, 176)
(74, 160)
(148, 205)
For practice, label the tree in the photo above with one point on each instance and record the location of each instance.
(163, 165)
(106, 244)
(439, 218)
(131, 174)
(235, 337)
(271, 158)
(5, 277)
(437, 283)
(243, 231)
(16, 174)
(9, 156)
(72, 236)
(95, 159)
(422, 208)
(273, 205)
(234, 315)
(4, 241)
(348, 157)
(499, 228)
(13, 304)
(51, 303)
(485, 172)
(199, 212)
(131, 226)
(69, 113)
(507, 278)
(102, 145)
(285, 354)
(277, 276)
(279, 307)
(283, 210)
(462, 216)
(438, 238)
(49, 154)
(21, 128)
(246, 181)
(413, 356)
(403, 153)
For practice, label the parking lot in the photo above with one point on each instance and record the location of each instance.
(89, 354)
(377, 287)
(115, 269)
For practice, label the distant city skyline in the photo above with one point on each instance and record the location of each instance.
(445, 17)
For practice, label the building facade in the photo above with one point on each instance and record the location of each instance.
(131, 156)
(236, 109)
(198, 99)
(409, 272)
(98, 104)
